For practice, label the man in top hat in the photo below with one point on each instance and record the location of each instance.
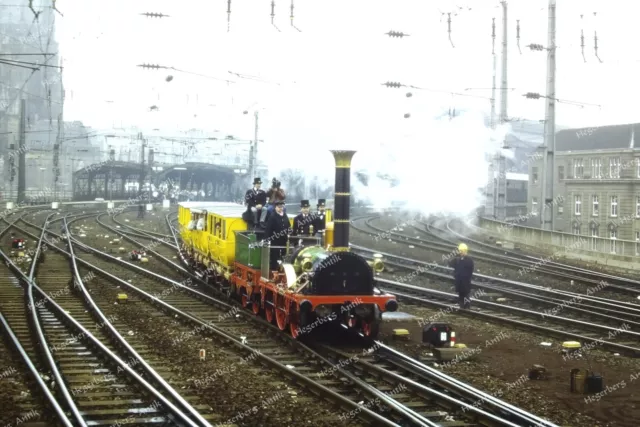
(255, 199)
(303, 221)
(276, 233)
(320, 218)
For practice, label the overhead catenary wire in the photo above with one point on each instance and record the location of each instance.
(535, 95)
(398, 85)
(158, 67)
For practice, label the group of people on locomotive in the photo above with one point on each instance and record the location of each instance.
(266, 213)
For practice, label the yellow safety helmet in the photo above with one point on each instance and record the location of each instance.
(462, 248)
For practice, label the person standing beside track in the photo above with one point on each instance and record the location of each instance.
(462, 271)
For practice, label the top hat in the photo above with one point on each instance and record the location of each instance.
(304, 204)
(321, 202)
(257, 181)
(279, 203)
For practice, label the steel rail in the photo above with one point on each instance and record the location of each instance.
(42, 339)
(205, 325)
(591, 310)
(149, 370)
(561, 266)
(30, 365)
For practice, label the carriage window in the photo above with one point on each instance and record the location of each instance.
(218, 230)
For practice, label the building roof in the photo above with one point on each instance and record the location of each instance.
(599, 138)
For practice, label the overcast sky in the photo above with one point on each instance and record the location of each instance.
(334, 67)
(322, 85)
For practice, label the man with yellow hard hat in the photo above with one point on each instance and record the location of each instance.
(462, 271)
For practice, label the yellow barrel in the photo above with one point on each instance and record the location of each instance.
(578, 377)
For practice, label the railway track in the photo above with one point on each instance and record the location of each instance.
(547, 265)
(432, 413)
(87, 359)
(266, 342)
(508, 259)
(620, 321)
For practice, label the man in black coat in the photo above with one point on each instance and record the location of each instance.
(255, 199)
(462, 271)
(303, 221)
(320, 218)
(277, 233)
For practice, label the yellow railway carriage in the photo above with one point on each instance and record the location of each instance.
(215, 245)
(315, 277)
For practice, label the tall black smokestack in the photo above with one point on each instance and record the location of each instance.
(342, 199)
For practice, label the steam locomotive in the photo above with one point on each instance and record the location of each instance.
(318, 280)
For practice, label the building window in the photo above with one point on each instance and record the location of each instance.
(614, 167)
(613, 235)
(560, 206)
(614, 205)
(638, 168)
(595, 233)
(596, 205)
(576, 229)
(596, 168)
(578, 202)
(638, 206)
(578, 168)
(534, 174)
(534, 205)
(637, 242)
(561, 172)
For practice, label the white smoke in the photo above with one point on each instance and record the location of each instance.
(438, 168)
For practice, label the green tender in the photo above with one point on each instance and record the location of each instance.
(247, 253)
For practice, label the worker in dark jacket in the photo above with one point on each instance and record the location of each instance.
(320, 219)
(462, 271)
(140, 211)
(303, 221)
(277, 233)
(255, 198)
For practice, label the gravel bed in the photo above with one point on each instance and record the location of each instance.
(499, 366)
(231, 386)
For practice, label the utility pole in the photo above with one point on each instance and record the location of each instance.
(491, 182)
(112, 158)
(60, 138)
(21, 150)
(501, 213)
(253, 149)
(142, 170)
(549, 145)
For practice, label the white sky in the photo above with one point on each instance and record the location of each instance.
(338, 61)
(330, 74)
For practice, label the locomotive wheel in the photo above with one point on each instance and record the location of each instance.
(245, 301)
(255, 305)
(294, 329)
(370, 328)
(269, 312)
(352, 321)
(231, 291)
(281, 319)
